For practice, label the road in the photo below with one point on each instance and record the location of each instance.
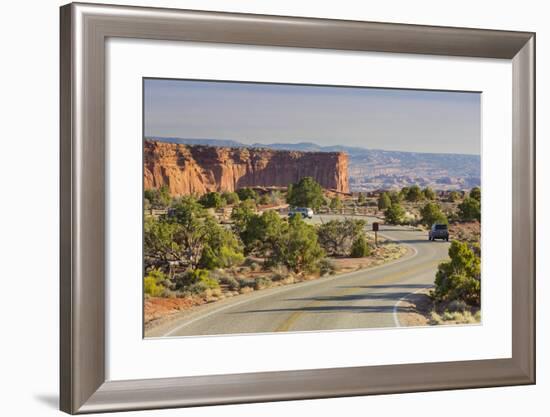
(361, 299)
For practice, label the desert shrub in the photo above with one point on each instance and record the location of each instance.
(305, 193)
(394, 214)
(231, 197)
(429, 194)
(255, 266)
(326, 267)
(414, 194)
(212, 199)
(198, 288)
(262, 282)
(384, 201)
(337, 236)
(192, 278)
(231, 283)
(454, 196)
(158, 198)
(246, 282)
(457, 305)
(360, 247)
(336, 203)
(475, 193)
(469, 209)
(431, 213)
(264, 199)
(150, 287)
(460, 278)
(247, 194)
(154, 283)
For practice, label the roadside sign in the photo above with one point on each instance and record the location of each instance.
(375, 227)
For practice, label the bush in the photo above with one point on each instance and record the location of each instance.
(475, 193)
(394, 214)
(326, 267)
(429, 194)
(231, 197)
(469, 209)
(360, 247)
(212, 200)
(337, 236)
(247, 194)
(150, 287)
(153, 283)
(336, 203)
(246, 282)
(384, 201)
(431, 213)
(305, 193)
(262, 282)
(460, 278)
(197, 278)
(230, 282)
(414, 194)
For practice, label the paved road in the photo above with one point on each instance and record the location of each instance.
(360, 299)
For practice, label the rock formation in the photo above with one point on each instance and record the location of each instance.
(197, 169)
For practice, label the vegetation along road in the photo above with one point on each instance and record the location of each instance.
(368, 298)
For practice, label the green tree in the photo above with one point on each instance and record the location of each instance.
(459, 278)
(222, 249)
(414, 194)
(247, 194)
(361, 199)
(264, 199)
(337, 236)
(231, 197)
(360, 248)
(395, 197)
(212, 199)
(159, 245)
(394, 214)
(475, 193)
(469, 209)
(428, 193)
(384, 201)
(336, 203)
(454, 196)
(431, 213)
(296, 247)
(158, 198)
(305, 193)
(193, 226)
(404, 193)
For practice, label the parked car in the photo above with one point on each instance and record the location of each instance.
(439, 231)
(302, 211)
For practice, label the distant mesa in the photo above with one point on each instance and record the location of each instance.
(197, 169)
(368, 169)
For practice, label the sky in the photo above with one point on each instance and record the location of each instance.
(374, 118)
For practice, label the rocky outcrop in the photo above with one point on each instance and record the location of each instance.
(197, 169)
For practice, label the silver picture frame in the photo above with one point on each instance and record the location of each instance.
(83, 34)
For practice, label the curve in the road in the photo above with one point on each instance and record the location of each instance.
(367, 298)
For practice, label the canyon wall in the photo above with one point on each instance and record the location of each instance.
(198, 169)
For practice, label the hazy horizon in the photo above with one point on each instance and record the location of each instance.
(374, 118)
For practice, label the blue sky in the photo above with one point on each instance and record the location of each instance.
(404, 120)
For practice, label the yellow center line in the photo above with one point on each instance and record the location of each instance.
(291, 320)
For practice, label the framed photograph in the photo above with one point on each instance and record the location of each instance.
(264, 208)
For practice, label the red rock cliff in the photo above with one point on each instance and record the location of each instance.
(197, 169)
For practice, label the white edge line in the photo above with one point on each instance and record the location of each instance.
(395, 307)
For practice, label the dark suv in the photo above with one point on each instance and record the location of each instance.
(439, 231)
